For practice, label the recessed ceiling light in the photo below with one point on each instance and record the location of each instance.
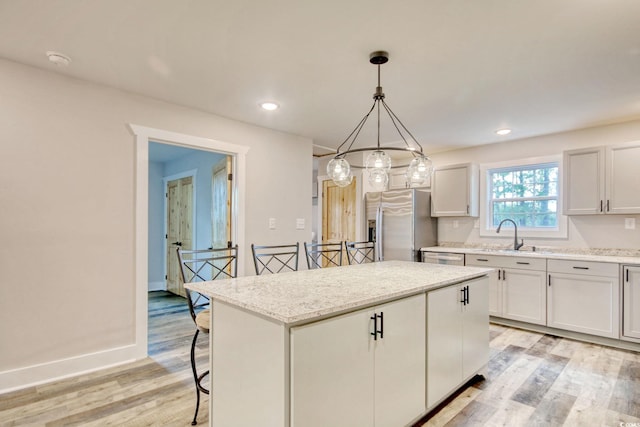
(58, 58)
(503, 131)
(269, 106)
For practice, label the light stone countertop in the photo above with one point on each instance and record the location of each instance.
(598, 255)
(303, 296)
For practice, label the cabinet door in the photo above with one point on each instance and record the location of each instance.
(332, 372)
(524, 295)
(623, 179)
(631, 298)
(444, 342)
(454, 191)
(582, 303)
(475, 346)
(399, 362)
(584, 181)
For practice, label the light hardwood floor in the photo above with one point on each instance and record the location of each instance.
(533, 380)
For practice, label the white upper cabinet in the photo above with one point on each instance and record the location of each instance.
(454, 190)
(602, 180)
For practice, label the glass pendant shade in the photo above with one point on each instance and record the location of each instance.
(378, 160)
(419, 171)
(378, 178)
(339, 171)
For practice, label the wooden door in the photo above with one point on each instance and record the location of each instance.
(221, 207)
(338, 212)
(179, 228)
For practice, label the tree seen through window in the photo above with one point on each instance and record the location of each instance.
(527, 194)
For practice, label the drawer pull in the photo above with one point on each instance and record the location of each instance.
(523, 263)
(581, 268)
(482, 259)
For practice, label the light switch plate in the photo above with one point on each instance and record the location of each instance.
(272, 223)
(630, 223)
(299, 223)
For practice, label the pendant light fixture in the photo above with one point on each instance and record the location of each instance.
(378, 162)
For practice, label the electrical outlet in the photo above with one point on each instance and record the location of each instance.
(299, 223)
(272, 223)
(630, 223)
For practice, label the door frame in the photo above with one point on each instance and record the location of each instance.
(143, 135)
(189, 173)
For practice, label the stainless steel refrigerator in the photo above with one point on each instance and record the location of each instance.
(400, 223)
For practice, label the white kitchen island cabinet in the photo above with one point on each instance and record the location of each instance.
(457, 340)
(341, 375)
(343, 346)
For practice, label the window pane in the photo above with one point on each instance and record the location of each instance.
(516, 193)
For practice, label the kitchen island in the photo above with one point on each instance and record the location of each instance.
(373, 344)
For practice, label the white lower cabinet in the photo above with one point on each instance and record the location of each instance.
(584, 297)
(457, 336)
(631, 302)
(517, 289)
(342, 375)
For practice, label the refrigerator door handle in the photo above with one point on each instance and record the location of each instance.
(379, 215)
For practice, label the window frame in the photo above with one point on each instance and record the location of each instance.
(488, 230)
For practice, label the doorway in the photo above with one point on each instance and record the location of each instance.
(143, 246)
(338, 212)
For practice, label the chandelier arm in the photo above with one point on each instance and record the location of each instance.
(393, 120)
(355, 131)
(391, 113)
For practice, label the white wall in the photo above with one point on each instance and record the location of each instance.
(67, 182)
(598, 231)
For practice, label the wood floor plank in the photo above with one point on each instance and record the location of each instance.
(626, 393)
(552, 410)
(535, 388)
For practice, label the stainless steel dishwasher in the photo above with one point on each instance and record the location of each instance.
(443, 258)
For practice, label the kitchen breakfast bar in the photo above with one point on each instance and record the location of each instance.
(373, 344)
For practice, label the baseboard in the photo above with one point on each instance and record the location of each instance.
(157, 286)
(29, 376)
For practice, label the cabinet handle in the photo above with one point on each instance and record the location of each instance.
(377, 331)
(467, 295)
(464, 299)
(499, 274)
(626, 273)
(600, 205)
(581, 268)
(504, 275)
(549, 280)
(467, 209)
(375, 326)
(607, 205)
(482, 259)
(522, 262)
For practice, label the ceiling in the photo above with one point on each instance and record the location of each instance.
(458, 69)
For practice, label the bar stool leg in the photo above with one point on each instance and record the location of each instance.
(195, 376)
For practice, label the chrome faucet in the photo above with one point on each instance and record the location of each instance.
(516, 245)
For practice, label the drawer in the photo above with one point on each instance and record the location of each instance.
(589, 268)
(500, 261)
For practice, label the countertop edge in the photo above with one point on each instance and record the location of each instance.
(544, 255)
(335, 310)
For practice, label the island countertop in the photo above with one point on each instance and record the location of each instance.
(297, 297)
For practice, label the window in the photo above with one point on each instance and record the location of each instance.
(526, 191)
(526, 194)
